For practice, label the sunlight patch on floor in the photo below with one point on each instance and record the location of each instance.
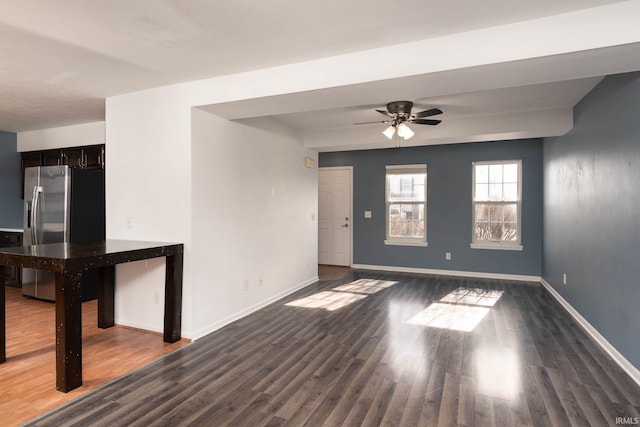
(328, 300)
(449, 316)
(366, 286)
(343, 295)
(473, 296)
(498, 373)
(460, 310)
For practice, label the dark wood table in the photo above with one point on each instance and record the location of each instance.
(68, 261)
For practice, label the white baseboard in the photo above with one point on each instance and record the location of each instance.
(142, 327)
(245, 312)
(633, 372)
(516, 277)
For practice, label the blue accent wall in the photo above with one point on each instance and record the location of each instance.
(10, 201)
(592, 211)
(449, 216)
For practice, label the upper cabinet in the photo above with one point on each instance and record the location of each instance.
(31, 158)
(87, 157)
(50, 158)
(93, 157)
(73, 157)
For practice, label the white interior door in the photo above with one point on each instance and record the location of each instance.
(334, 216)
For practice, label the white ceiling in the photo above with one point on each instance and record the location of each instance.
(61, 59)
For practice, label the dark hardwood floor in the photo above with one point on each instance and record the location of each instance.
(378, 349)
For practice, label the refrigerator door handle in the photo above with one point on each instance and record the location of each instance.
(34, 214)
(29, 208)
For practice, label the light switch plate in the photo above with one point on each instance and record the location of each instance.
(367, 214)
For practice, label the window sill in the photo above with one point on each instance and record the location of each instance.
(406, 243)
(496, 246)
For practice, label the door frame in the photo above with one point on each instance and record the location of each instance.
(350, 179)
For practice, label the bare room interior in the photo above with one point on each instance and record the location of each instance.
(339, 213)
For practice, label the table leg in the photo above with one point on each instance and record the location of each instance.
(3, 328)
(173, 298)
(68, 331)
(106, 295)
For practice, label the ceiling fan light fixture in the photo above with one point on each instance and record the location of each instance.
(405, 131)
(388, 132)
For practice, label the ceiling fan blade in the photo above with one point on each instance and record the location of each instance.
(427, 113)
(386, 113)
(425, 121)
(378, 121)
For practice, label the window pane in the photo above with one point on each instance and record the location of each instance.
(420, 210)
(495, 213)
(497, 218)
(406, 198)
(482, 192)
(407, 212)
(510, 192)
(495, 173)
(406, 187)
(411, 229)
(510, 231)
(482, 212)
(496, 230)
(510, 172)
(495, 192)
(395, 224)
(511, 213)
(483, 232)
(482, 174)
(406, 220)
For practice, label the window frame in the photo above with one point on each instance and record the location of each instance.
(496, 244)
(400, 170)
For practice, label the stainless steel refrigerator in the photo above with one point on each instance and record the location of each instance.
(61, 204)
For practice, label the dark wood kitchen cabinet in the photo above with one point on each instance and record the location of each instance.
(93, 157)
(8, 239)
(72, 157)
(31, 158)
(51, 158)
(86, 157)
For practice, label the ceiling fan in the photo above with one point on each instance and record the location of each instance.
(399, 114)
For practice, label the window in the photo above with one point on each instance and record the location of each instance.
(497, 205)
(406, 197)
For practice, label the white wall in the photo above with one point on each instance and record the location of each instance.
(66, 136)
(253, 217)
(237, 195)
(148, 195)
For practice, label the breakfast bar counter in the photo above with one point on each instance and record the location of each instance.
(68, 261)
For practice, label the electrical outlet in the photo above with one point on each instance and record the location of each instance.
(447, 256)
(564, 279)
(260, 282)
(246, 285)
(156, 298)
(129, 222)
